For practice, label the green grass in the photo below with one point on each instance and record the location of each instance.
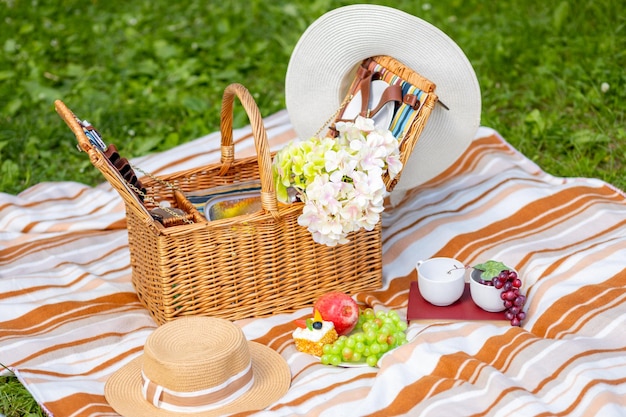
(150, 74)
(15, 401)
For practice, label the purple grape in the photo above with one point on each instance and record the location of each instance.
(509, 285)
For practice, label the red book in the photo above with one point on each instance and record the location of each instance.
(463, 309)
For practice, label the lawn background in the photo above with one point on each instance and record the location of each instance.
(149, 75)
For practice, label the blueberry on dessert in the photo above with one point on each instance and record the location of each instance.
(313, 333)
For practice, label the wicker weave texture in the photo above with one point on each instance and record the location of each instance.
(251, 269)
(246, 266)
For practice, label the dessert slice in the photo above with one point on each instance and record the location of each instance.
(313, 333)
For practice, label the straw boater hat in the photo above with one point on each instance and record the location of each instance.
(198, 366)
(323, 64)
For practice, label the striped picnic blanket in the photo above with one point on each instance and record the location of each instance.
(69, 316)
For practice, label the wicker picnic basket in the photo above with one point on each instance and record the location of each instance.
(246, 266)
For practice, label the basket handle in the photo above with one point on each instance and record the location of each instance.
(268, 192)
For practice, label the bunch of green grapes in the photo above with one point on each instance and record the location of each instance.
(374, 335)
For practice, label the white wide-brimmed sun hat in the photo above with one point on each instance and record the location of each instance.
(323, 63)
(198, 366)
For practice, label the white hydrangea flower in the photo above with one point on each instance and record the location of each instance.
(339, 179)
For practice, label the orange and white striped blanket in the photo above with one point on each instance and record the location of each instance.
(69, 316)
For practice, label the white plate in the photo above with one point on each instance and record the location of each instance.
(350, 364)
(355, 365)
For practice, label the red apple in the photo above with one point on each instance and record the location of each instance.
(339, 308)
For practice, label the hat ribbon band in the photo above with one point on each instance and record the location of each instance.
(197, 401)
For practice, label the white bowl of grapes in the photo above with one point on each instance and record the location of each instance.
(495, 287)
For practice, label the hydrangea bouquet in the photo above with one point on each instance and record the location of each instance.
(339, 180)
